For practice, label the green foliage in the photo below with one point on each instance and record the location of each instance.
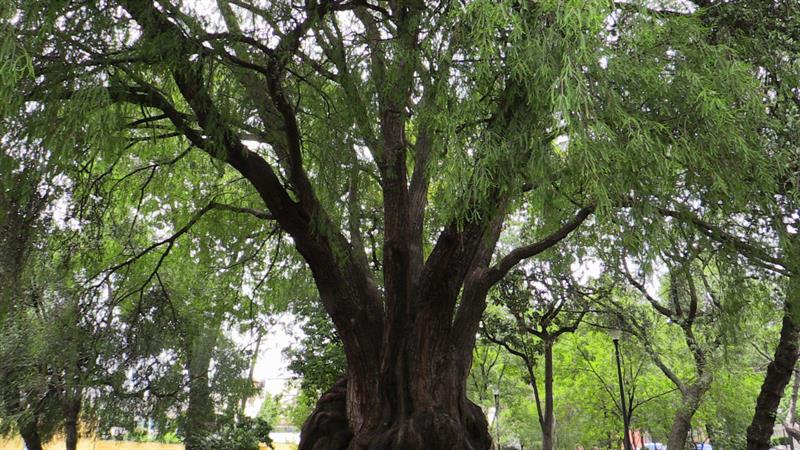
(530, 109)
(171, 438)
(244, 434)
(494, 369)
(318, 357)
(782, 440)
(271, 410)
(586, 393)
(298, 412)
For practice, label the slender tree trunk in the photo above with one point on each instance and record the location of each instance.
(199, 421)
(252, 369)
(27, 421)
(30, 435)
(682, 423)
(548, 427)
(779, 372)
(71, 413)
(679, 432)
(536, 397)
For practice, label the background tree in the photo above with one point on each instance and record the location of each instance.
(42, 382)
(540, 304)
(317, 358)
(701, 351)
(763, 229)
(497, 372)
(101, 349)
(591, 354)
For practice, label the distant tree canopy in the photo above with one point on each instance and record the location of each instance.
(389, 144)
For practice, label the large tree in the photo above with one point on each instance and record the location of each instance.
(390, 141)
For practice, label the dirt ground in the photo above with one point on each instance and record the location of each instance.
(86, 444)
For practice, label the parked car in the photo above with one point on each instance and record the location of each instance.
(654, 446)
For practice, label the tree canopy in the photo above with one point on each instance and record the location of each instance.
(411, 156)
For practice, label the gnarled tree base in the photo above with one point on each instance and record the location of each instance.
(327, 429)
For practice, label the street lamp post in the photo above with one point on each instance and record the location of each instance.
(615, 335)
(497, 416)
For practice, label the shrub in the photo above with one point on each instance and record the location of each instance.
(244, 435)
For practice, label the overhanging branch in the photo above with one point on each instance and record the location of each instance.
(717, 234)
(170, 241)
(499, 270)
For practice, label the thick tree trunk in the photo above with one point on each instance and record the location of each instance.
(779, 372)
(415, 396)
(30, 435)
(548, 426)
(421, 401)
(199, 421)
(71, 412)
(433, 428)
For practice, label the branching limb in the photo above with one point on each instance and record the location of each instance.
(666, 312)
(499, 270)
(717, 234)
(170, 241)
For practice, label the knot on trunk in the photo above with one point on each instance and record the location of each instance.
(326, 428)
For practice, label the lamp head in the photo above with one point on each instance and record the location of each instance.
(615, 334)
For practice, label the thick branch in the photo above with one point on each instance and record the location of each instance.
(347, 291)
(499, 270)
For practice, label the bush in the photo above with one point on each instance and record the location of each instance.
(244, 435)
(783, 440)
(139, 434)
(171, 438)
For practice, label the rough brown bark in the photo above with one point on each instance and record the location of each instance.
(779, 372)
(679, 432)
(678, 437)
(327, 428)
